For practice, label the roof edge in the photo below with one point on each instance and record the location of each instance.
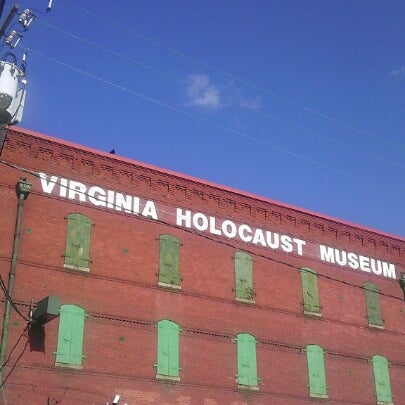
(94, 151)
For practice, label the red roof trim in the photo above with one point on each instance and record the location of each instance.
(197, 180)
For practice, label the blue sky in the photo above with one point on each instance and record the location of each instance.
(298, 101)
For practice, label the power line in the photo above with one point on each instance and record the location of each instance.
(190, 294)
(231, 76)
(10, 300)
(241, 105)
(148, 324)
(185, 385)
(215, 240)
(209, 122)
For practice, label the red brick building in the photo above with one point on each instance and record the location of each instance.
(176, 291)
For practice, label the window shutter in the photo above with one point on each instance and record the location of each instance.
(243, 276)
(169, 266)
(310, 294)
(373, 304)
(70, 335)
(64, 336)
(78, 241)
(382, 379)
(247, 367)
(168, 349)
(316, 371)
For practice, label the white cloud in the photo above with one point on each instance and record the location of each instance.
(250, 103)
(397, 73)
(202, 93)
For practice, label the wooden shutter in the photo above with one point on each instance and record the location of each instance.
(78, 241)
(247, 367)
(70, 335)
(243, 276)
(169, 260)
(316, 371)
(373, 304)
(310, 294)
(168, 349)
(382, 379)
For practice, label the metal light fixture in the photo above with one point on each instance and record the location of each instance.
(23, 188)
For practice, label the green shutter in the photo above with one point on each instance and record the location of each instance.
(243, 276)
(70, 335)
(373, 304)
(382, 380)
(168, 349)
(247, 367)
(316, 371)
(169, 260)
(78, 241)
(310, 294)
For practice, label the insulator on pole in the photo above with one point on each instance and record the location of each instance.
(26, 18)
(13, 39)
(24, 63)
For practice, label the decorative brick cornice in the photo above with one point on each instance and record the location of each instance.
(99, 168)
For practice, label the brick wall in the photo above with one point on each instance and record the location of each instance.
(123, 301)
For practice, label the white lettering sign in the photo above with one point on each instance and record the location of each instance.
(74, 190)
(354, 261)
(110, 199)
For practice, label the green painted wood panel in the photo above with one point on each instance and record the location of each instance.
(316, 371)
(382, 379)
(169, 260)
(244, 276)
(168, 349)
(372, 296)
(310, 294)
(78, 241)
(70, 335)
(247, 366)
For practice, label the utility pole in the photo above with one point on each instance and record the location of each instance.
(12, 77)
(10, 16)
(2, 3)
(12, 97)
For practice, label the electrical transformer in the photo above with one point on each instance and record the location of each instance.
(12, 93)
